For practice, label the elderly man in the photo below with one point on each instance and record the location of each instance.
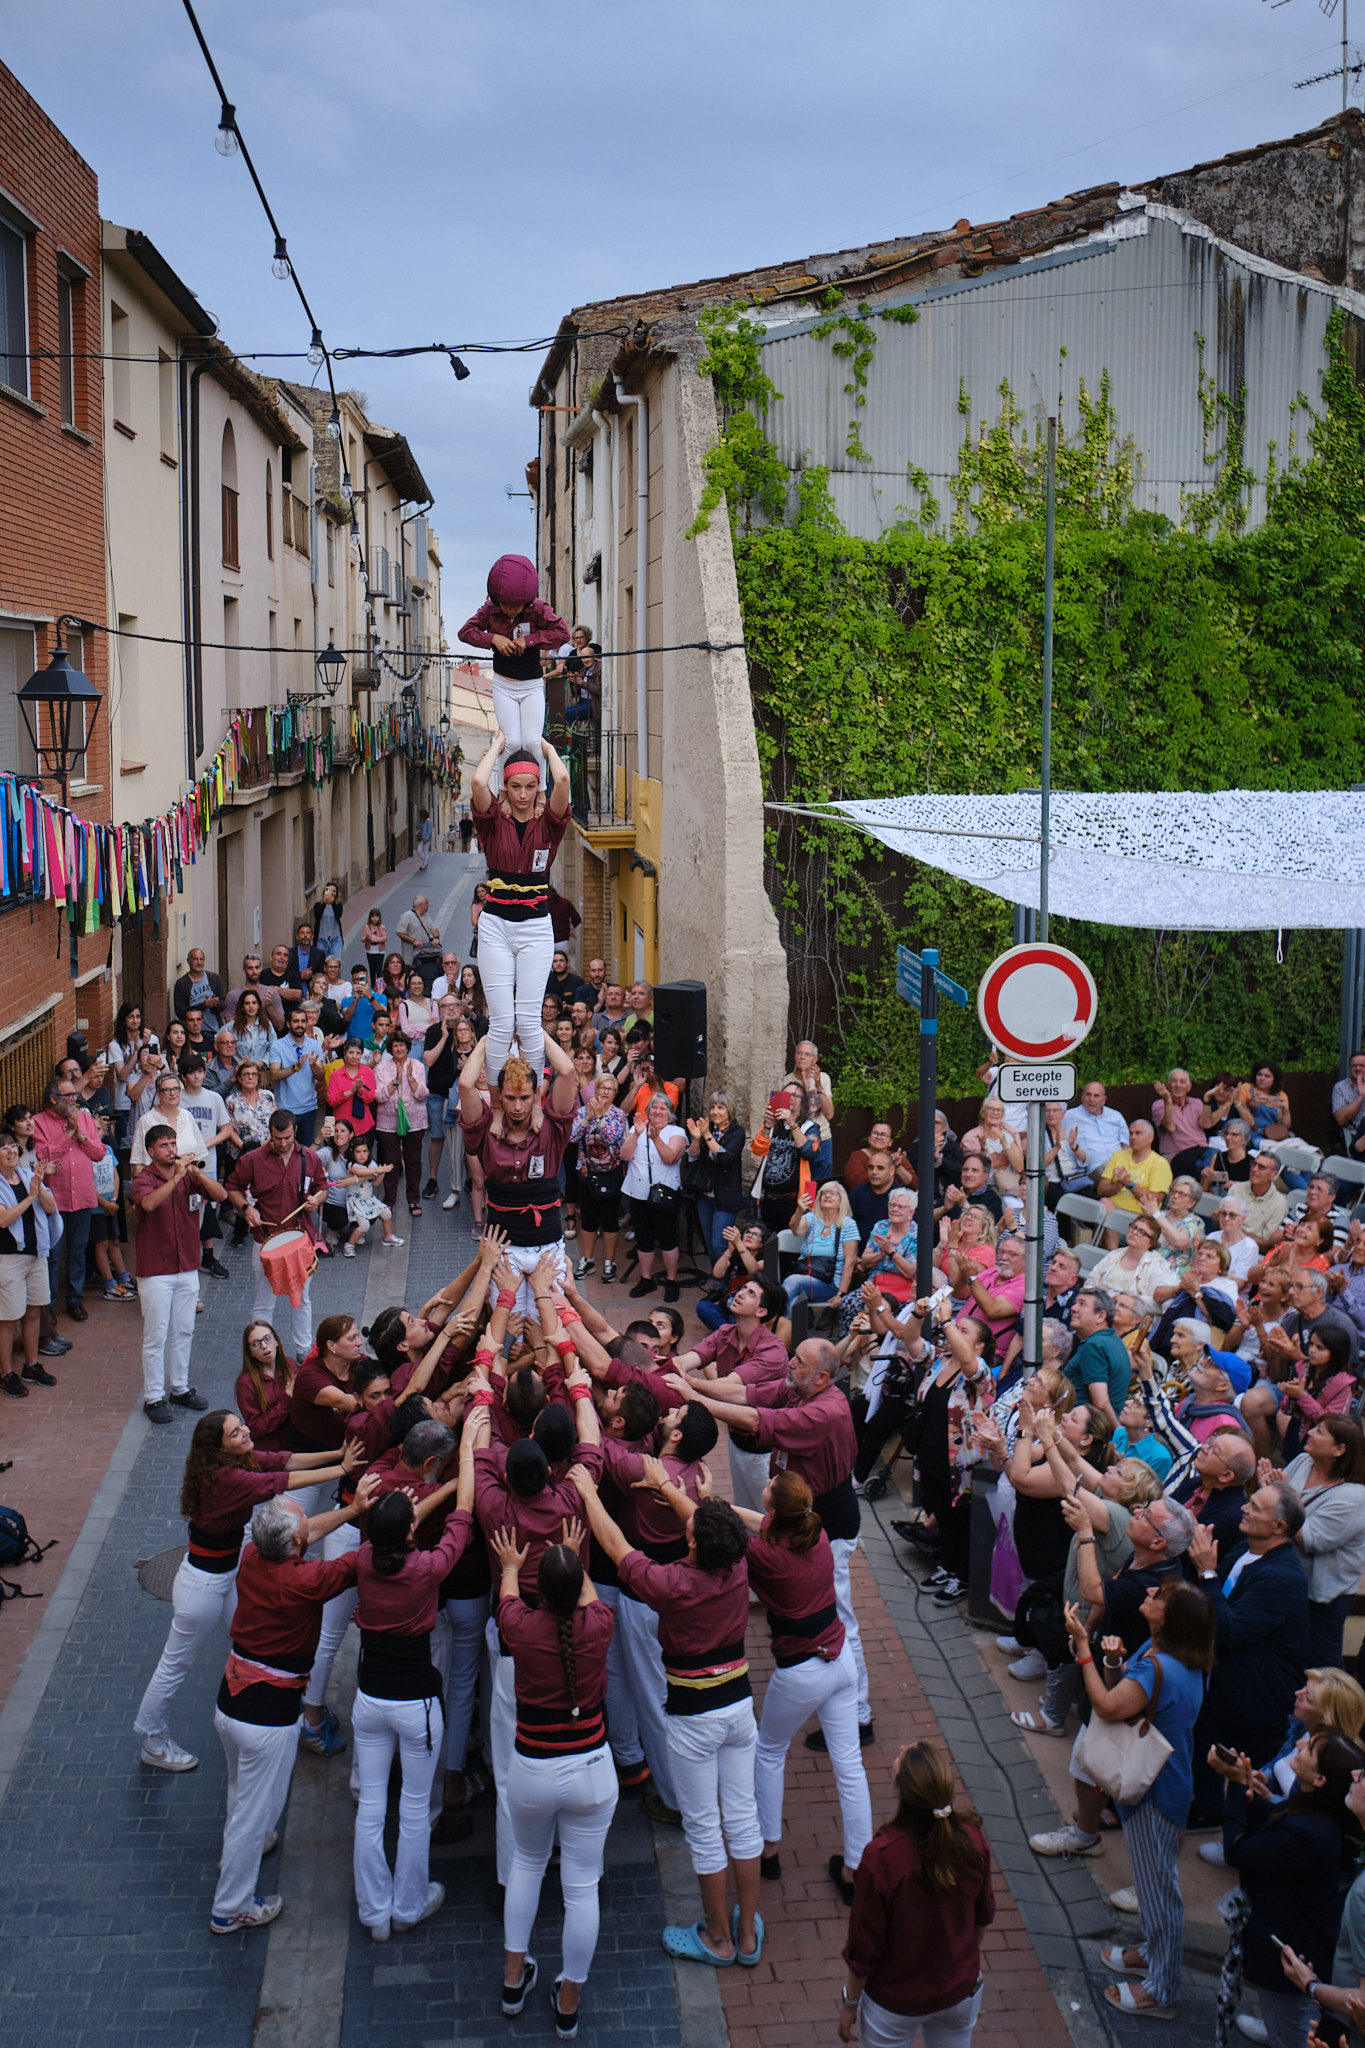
(1260, 1604)
(611, 1011)
(199, 987)
(1348, 1104)
(67, 1138)
(275, 1630)
(1177, 1116)
(807, 1425)
(220, 1074)
(413, 930)
(279, 1185)
(1209, 1410)
(277, 976)
(447, 982)
(1214, 1490)
(1265, 1205)
(1093, 1130)
(1135, 1165)
(252, 979)
(973, 1190)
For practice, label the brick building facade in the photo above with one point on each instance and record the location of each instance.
(51, 540)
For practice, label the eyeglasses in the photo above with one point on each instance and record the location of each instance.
(262, 1342)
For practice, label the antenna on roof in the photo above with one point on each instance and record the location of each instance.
(1352, 65)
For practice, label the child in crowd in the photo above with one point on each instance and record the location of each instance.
(334, 1152)
(362, 1200)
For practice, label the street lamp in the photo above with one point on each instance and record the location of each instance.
(72, 703)
(331, 672)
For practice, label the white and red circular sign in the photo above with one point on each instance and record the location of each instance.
(1037, 1002)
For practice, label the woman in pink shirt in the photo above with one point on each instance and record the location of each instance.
(400, 1087)
(69, 1138)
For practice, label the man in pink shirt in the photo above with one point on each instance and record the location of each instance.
(69, 1138)
(1181, 1135)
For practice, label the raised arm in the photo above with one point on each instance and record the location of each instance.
(599, 1521)
(471, 1073)
(566, 1080)
(559, 781)
(480, 788)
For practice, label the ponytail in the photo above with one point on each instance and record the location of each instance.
(388, 1527)
(945, 1851)
(794, 1523)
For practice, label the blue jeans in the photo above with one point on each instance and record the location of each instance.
(713, 1222)
(798, 1284)
(75, 1236)
(711, 1316)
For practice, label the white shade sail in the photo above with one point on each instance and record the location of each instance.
(1236, 860)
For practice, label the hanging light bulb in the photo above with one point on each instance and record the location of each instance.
(225, 141)
(461, 369)
(334, 425)
(280, 266)
(316, 351)
(346, 490)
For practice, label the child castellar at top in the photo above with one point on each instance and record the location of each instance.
(512, 602)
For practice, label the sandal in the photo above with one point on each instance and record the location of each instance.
(1038, 1724)
(1120, 1996)
(1113, 1960)
(685, 1944)
(749, 1962)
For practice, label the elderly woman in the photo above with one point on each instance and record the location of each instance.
(972, 1236)
(993, 1140)
(599, 1131)
(1179, 1230)
(1138, 1266)
(829, 1245)
(719, 1138)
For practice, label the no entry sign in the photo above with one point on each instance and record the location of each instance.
(1037, 1002)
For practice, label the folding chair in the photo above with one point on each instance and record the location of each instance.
(1089, 1256)
(1084, 1209)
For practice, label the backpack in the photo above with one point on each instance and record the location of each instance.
(18, 1547)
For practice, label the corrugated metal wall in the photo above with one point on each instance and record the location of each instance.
(1131, 304)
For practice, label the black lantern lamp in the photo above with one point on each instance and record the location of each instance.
(331, 673)
(59, 706)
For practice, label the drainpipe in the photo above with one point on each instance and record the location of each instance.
(606, 526)
(194, 656)
(641, 573)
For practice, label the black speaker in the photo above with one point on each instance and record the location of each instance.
(680, 1030)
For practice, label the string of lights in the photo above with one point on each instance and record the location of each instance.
(338, 355)
(384, 656)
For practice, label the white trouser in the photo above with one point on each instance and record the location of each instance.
(502, 1740)
(951, 2028)
(423, 852)
(268, 1304)
(523, 1259)
(514, 966)
(200, 1601)
(713, 1769)
(577, 1795)
(748, 1477)
(519, 707)
(468, 1620)
(442, 1652)
(168, 1313)
(623, 1727)
(637, 1631)
(259, 1763)
(336, 1615)
(843, 1548)
(416, 1728)
(831, 1691)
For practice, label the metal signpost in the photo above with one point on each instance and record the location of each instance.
(1036, 1003)
(919, 981)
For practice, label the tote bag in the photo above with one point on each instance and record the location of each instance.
(1125, 1758)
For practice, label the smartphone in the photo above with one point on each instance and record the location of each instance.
(780, 1100)
(1229, 1757)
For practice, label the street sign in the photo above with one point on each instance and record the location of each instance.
(908, 968)
(1037, 1002)
(1018, 1083)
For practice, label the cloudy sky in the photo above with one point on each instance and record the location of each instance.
(447, 171)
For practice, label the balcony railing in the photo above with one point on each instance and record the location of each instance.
(599, 775)
(266, 753)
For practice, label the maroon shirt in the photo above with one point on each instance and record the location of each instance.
(920, 1951)
(759, 1363)
(649, 1522)
(796, 1587)
(276, 1186)
(279, 1606)
(699, 1612)
(216, 1538)
(519, 861)
(406, 1603)
(546, 1725)
(620, 1374)
(269, 1425)
(167, 1236)
(506, 1158)
(535, 1520)
(815, 1439)
(323, 1429)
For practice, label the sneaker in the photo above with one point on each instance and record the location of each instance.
(451, 1202)
(381, 1931)
(164, 1755)
(1033, 1664)
(1212, 1852)
(582, 1268)
(436, 1898)
(570, 1230)
(348, 1251)
(951, 1589)
(672, 1291)
(653, 1808)
(936, 1577)
(157, 1411)
(258, 1914)
(41, 1377)
(566, 2023)
(390, 1243)
(1252, 2028)
(643, 1287)
(514, 1996)
(1125, 1900)
(54, 1347)
(608, 1270)
(430, 1191)
(189, 1399)
(327, 1740)
(1009, 1644)
(1065, 1841)
(12, 1384)
(216, 1267)
(114, 1291)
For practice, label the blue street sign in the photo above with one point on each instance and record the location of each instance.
(908, 968)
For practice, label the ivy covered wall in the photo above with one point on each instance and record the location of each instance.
(1191, 656)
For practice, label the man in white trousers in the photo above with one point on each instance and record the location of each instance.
(280, 1598)
(739, 1363)
(168, 1197)
(281, 1185)
(807, 1427)
(519, 836)
(521, 1145)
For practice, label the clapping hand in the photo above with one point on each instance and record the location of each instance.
(1266, 1475)
(1203, 1550)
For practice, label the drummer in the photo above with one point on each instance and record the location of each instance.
(281, 1185)
(521, 1146)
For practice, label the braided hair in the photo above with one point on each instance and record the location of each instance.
(560, 1582)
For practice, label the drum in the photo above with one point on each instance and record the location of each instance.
(288, 1260)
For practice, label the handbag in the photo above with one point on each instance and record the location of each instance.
(1125, 1758)
(695, 1174)
(660, 1195)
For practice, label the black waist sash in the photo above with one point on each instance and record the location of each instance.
(527, 1210)
(838, 1510)
(394, 1667)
